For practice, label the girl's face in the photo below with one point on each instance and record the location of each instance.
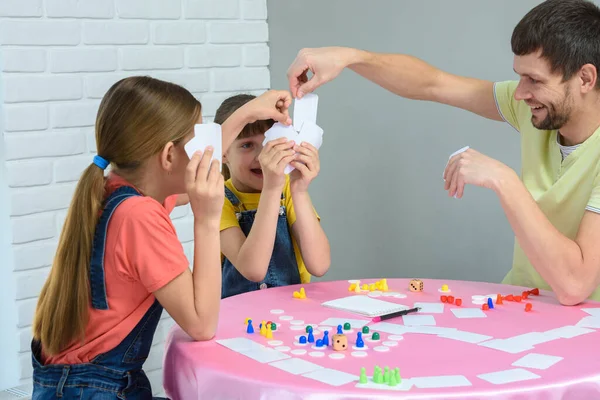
(242, 161)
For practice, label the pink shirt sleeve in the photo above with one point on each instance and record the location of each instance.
(148, 246)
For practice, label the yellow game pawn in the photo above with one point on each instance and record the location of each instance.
(384, 285)
(372, 287)
(352, 287)
(269, 334)
(365, 287)
(246, 322)
(302, 293)
(263, 328)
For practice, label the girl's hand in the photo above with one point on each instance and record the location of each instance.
(273, 159)
(307, 166)
(204, 185)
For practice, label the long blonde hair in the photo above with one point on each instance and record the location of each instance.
(137, 117)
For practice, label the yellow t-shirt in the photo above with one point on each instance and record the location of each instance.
(562, 189)
(250, 202)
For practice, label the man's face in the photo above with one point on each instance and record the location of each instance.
(549, 97)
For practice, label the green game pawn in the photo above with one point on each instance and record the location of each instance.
(347, 326)
(397, 374)
(308, 327)
(273, 326)
(386, 375)
(363, 376)
(375, 336)
(365, 330)
(377, 378)
(393, 381)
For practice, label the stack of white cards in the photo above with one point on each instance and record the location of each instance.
(206, 135)
(304, 128)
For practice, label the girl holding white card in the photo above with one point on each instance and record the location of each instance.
(119, 261)
(270, 233)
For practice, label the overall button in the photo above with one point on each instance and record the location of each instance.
(263, 286)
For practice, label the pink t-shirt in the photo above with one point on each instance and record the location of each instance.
(142, 255)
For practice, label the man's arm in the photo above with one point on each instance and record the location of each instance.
(403, 75)
(570, 267)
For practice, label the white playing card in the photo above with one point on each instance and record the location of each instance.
(430, 308)
(305, 109)
(452, 155)
(445, 381)
(569, 331)
(296, 366)
(279, 130)
(311, 133)
(507, 346)
(331, 376)
(418, 320)
(265, 355)
(536, 361)
(206, 135)
(592, 311)
(589, 322)
(508, 376)
(240, 344)
(468, 337)
(468, 313)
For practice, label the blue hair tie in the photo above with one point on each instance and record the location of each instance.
(100, 162)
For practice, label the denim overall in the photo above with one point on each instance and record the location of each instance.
(283, 267)
(116, 374)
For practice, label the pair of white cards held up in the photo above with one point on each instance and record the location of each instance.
(304, 129)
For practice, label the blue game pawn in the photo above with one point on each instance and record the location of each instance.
(311, 338)
(319, 343)
(250, 328)
(339, 330)
(490, 303)
(326, 338)
(302, 339)
(309, 329)
(359, 340)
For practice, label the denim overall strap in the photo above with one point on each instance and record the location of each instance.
(97, 282)
(283, 266)
(231, 197)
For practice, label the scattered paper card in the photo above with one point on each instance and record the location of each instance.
(265, 355)
(445, 381)
(467, 337)
(569, 331)
(536, 361)
(240, 344)
(592, 311)
(364, 305)
(418, 320)
(354, 323)
(430, 308)
(508, 376)
(387, 327)
(296, 366)
(468, 313)
(331, 376)
(506, 346)
(206, 135)
(589, 322)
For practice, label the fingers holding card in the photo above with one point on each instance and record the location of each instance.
(206, 135)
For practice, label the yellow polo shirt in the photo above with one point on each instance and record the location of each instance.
(563, 189)
(249, 201)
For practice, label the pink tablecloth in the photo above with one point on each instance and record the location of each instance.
(462, 366)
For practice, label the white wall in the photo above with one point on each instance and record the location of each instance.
(59, 58)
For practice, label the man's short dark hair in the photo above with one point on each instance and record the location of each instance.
(566, 31)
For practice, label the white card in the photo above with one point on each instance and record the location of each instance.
(418, 320)
(388, 327)
(445, 381)
(206, 135)
(430, 330)
(592, 311)
(536, 361)
(569, 331)
(354, 323)
(240, 344)
(506, 346)
(331, 376)
(508, 376)
(305, 109)
(265, 355)
(430, 308)
(530, 339)
(468, 313)
(589, 322)
(311, 133)
(466, 336)
(403, 386)
(296, 366)
(453, 154)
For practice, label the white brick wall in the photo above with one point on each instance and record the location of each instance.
(58, 58)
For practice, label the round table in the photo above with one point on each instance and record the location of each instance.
(550, 352)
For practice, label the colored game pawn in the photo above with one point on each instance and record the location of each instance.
(535, 291)
(309, 329)
(458, 302)
(375, 336)
(269, 333)
(263, 328)
(311, 338)
(490, 303)
(498, 299)
(319, 343)
(377, 378)
(273, 326)
(510, 297)
(365, 329)
(347, 326)
(249, 328)
(384, 285)
(326, 338)
(518, 299)
(444, 299)
(528, 307)
(359, 340)
(397, 374)
(339, 330)
(363, 376)
(302, 340)
(485, 307)
(386, 375)
(450, 299)
(393, 381)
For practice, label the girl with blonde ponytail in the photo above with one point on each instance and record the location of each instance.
(119, 261)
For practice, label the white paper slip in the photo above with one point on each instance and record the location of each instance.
(331, 376)
(467, 337)
(206, 135)
(418, 320)
(592, 311)
(430, 308)
(536, 361)
(589, 322)
(508, 376)
(506, 345)
(240, 344)
(468, 313)
(305, 109)
(364, 305)
(568, 332)
(530, 339)
(387, 327)
(296, 366)
(354, 323)
(445, 381)
(429, 330)
(265, 355)
(453, 154)
(311, 133)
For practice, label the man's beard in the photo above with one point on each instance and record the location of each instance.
(556, 115)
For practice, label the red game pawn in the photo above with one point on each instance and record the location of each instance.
(528, 307)
(535, 291)
(451, 299)
(444, 299)
(510, 297)
(458, 302)
(485, 307)
(499, 299)
(518, 299)
(524, 295)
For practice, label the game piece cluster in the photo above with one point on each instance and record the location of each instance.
(415, 285)
(386, 377)
(300, 295)
(450, 300)
(380, 285)
(516, 298)
(266, 328)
